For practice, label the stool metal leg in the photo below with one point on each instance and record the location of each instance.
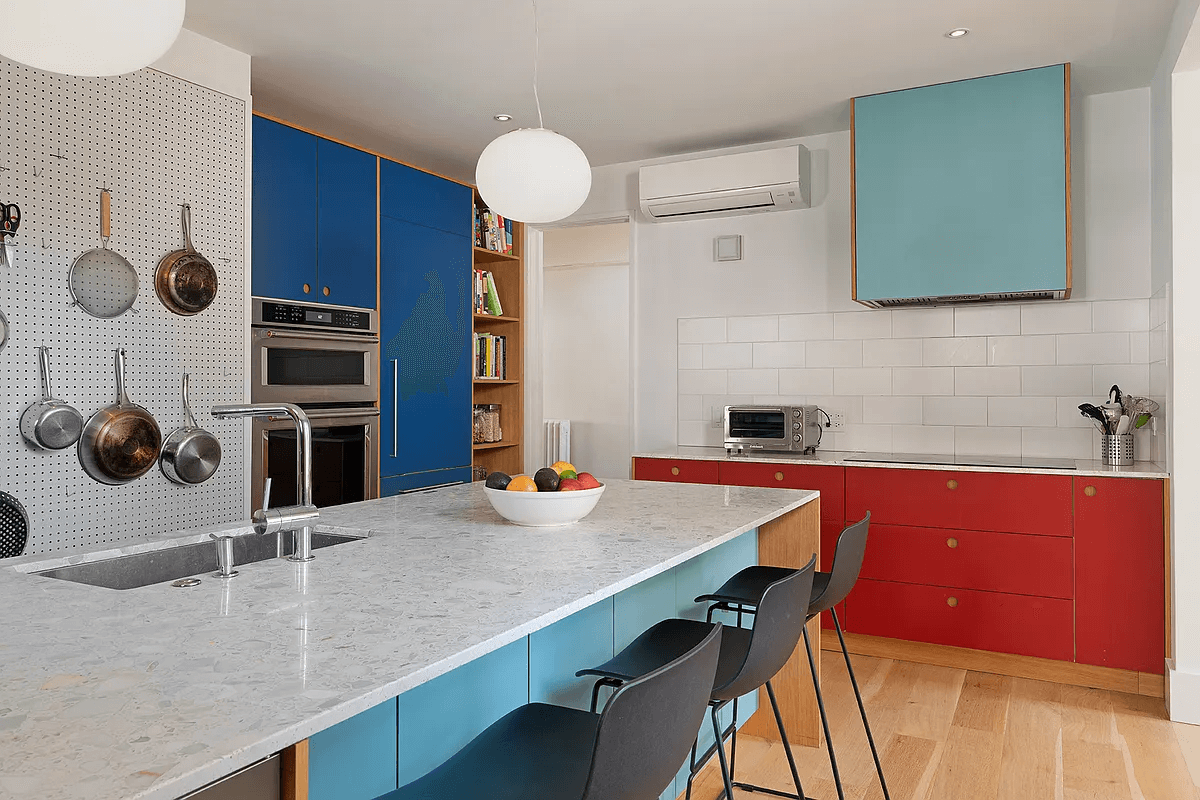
(728, 791)
(733, 743)
(812, 665)
(787, 749)
(862, 711)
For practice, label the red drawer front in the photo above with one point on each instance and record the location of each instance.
(973, 501)
(996, 562)
(1002, 623)
(829, 481)
(677, 470)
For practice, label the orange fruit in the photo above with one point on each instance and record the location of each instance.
(561, 466)
(521, 483)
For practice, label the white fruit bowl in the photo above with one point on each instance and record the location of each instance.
(543, 509)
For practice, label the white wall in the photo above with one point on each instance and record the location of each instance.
(585, 354)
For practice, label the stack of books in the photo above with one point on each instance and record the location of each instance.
(491, 357)
(486, 299)
(493, 231)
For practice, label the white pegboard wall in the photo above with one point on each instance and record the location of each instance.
(155, 142)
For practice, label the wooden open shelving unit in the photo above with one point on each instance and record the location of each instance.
(507, 455)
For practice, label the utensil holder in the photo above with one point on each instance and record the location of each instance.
(1117, 449)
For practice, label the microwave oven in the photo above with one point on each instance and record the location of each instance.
(789, 429)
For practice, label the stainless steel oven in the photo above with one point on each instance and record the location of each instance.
(313, 354)
(345, 456)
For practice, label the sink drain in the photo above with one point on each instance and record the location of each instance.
(183, 583)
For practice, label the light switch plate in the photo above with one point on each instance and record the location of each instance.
(727, 248)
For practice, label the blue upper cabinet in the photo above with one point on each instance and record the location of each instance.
(425, 318)
(346, 224)
(418, 197)
(962, 188)
(314, 218)
(284, 208)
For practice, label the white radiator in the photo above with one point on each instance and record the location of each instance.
(558, 440)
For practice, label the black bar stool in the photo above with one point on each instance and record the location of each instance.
(631, 751)
(742, 594)
(749, 659)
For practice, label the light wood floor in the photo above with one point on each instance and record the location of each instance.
(949, 734)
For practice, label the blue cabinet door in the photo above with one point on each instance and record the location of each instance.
(425, 313)
(284, 207)
(355, 759)
(414, 196)
(346, 225)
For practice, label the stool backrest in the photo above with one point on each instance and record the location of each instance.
(648, 726)
(778, 625)
(847, 563)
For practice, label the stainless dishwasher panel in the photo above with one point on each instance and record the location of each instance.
(260, 781)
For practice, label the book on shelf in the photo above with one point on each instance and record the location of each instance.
(492, 231)
(486, 299)
(490, 357)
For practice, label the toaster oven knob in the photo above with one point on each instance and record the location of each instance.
(797, 437)
(795, 426)
(795, 412)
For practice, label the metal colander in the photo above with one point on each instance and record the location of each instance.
(14, 526)
(102, 282)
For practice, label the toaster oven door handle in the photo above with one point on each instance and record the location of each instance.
(395, 406)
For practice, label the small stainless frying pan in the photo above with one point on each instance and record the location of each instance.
(191, 454)
(50, 424)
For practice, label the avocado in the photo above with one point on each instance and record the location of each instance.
(546, 480)
(497, 480)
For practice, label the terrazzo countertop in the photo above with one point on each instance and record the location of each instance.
(1083, 468)
(155, 692)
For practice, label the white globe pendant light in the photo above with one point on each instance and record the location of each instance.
(89, 37)
(533, 174)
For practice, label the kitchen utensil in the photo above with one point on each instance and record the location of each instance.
(1112, 414)
(10, 220)
(50, 424)
(1142, 419)
(120, 442)
(1114, 395)
(3, 331)
(1089, 410)
(1117, 451)
(1123, 425)
(101, 281)
(191, 454)
(14, 526)
(185, 281)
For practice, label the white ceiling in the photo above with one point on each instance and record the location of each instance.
(631, 79)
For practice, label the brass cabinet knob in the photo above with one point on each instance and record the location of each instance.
(778, 476)
(952, 602)
(952, 484)
(952, 543)
(1090, 491)
(674, 470)
(325, 291)
(307, 288)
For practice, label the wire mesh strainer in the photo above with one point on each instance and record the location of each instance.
(102, 282)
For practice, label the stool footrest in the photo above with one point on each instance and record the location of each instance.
(750, 787)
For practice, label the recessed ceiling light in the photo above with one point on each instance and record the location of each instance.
(958, 33)
(502, 117)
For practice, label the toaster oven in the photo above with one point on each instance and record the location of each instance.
(789, 429)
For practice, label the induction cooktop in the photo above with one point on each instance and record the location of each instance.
(1027, 462)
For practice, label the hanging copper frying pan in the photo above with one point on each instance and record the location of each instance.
(120, 443)
(185, 281)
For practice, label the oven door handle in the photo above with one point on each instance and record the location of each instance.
(334, 413)
(283, 335)
(395, 406)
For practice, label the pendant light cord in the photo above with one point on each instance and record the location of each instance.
(537, 47)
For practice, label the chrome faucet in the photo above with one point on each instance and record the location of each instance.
(299, 518)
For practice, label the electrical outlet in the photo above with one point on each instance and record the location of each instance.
(717, 415)
(837, 421)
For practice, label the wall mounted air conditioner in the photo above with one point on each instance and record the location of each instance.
(742, 183)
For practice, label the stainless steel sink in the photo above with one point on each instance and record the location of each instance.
(168, 564)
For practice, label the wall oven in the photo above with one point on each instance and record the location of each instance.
(345, 456)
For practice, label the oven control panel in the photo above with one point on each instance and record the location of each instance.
(273, 313)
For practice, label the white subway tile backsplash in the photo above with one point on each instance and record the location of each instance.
(1139, 347)
(699, 434)
(753, 329)
(691, 356)
(754, 381)
(729, 356)
(1021, 350)
(1056, 317)
(1068, 412)
(691, 407)
(1157, 345)
(962, 351)
(848, 405)
(714, 406)
(1093, 348)
(987, 381)
(778, 354)
(892, 410)
(1056, 381)
(970, 441)
(806, 381)
(921, 381)
(1121, 315)
(891, 353)
(866, 439)
(913, 323)
(1018, 412)
(1057, 442)
(987, 320)
(943, 411)
(927, 439)
(703, 381)
(862, 380)
(805, 327)
(1132, 378)
(862, 325)
(701, 331)
(833, 354)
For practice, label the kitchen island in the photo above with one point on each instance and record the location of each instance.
(158, 691)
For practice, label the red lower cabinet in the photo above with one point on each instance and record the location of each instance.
(1004, 623)
(1119, 573)
(676, 470)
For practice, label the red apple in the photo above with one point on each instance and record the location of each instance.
(588, 480)
(570, 485)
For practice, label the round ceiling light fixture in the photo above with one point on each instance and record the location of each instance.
(957, 33)
(533, 174)
(502, 117)
(90, 38)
